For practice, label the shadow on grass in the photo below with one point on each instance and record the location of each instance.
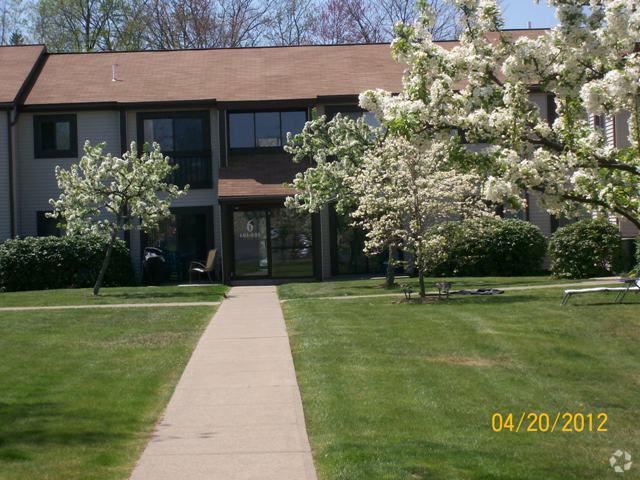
(156, 295)
(398, 460)
(24, 426)
(501, 299)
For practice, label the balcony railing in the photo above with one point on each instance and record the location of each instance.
(193, 170)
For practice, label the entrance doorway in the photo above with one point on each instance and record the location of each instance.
(250, 242)
(271, 242)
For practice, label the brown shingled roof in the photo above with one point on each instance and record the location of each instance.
(224, 75)
(246, 74)
(266, 176)
(16, 63)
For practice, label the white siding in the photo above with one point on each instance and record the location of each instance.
(36, 176)
(5, 204)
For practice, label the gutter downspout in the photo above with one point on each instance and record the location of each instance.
(12, 210)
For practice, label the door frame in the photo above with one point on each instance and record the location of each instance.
(228, 240)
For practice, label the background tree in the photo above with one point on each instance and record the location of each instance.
(105, 25)
(17, 38)
(589, 64)
(13, 21)
(175, 24)
(108, 195)
(291, 23)
(80, 25)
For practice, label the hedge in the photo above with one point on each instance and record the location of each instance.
(491, 247)
(39, 263)
(587, 248)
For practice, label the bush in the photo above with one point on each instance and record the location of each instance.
(498, 247)
(587, 248)
(38, 263)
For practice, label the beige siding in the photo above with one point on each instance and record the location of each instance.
(36, 176)
(5, 204)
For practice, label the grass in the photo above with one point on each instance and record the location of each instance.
(80, 391)
(83, 296)
(373, 286)
(407, 391)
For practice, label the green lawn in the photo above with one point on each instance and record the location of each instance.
(83, 296)
(80, 391)
(407, 391)
(373, 286)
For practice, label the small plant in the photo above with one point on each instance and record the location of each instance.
(587, 248)
(491, 247)
(40, 263)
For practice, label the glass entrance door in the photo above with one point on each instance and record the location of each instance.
(251, 243)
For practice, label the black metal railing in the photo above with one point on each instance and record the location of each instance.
(193, 170)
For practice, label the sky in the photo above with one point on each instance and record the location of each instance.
(518, 14)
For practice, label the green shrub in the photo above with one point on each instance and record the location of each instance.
(38, 263)
(587, 248)
(498, 247)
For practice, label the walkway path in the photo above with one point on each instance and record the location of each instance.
(110, 305)
(236, 413)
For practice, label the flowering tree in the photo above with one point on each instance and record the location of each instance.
(334, 150)
(403, 192)
(104, 194)
(480, 87)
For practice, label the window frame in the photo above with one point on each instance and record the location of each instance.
(255, 148)
(41, 222)
(173, 155)
(40, 152)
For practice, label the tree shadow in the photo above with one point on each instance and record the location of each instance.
(42, 424)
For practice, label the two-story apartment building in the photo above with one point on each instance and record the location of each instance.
(222, 115)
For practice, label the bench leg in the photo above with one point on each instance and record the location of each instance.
(565, 298)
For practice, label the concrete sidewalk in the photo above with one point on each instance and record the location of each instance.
(236, 413)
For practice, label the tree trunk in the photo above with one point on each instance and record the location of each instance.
(423, 290)
(390, 279)
(105, 265)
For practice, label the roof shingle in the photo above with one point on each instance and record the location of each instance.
(225, 75)
(16, 63)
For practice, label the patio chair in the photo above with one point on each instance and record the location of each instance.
(201, 267)
(633, 284)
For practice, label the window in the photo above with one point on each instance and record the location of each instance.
(599, 121)
(258, 130)
(185, 236)
(55, 136)
(352, 111)
(47, 227)
(183, 137)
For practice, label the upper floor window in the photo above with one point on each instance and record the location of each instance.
(185, 138)
(55, 136)
(599, 121)
(352, 111)
(254, 130)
